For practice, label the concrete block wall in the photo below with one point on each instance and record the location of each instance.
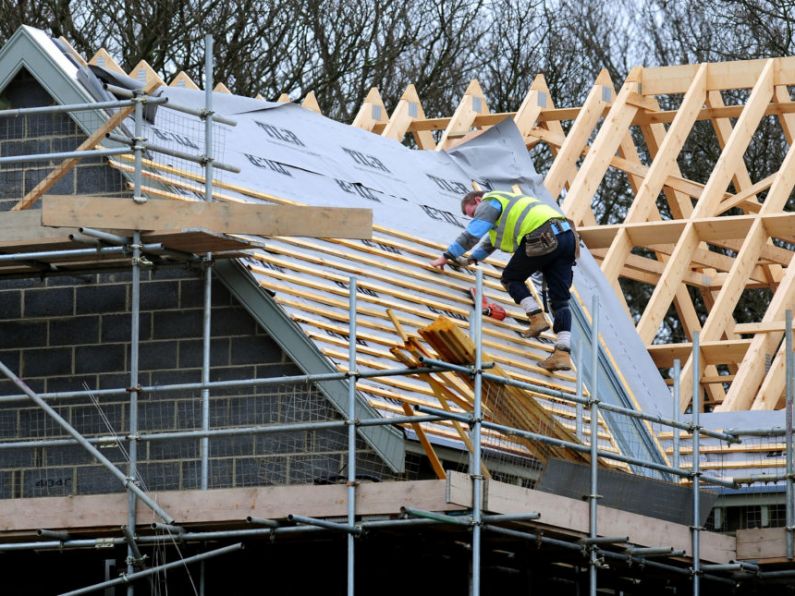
(45, 133)
(73, 333)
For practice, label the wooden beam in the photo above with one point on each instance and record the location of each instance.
(764, 545)
(310, 103)
(227, 218)
(24, 228)
(408, 110)
(763, 348)
(742, 74)
(709, 229)
(771, 394)
(746, 199)
(714, 352)
(184, 81)
(756, 239)
(681, 206)
(578, 200)
(629, 151)
(723, 129)
(371, 112)
(552, 126)
(532, 106)
(771, 327)
(707, 205)
(646, 103)
(105, 60)
(713, 113)
(564, 167)
(72, 51)
(232, 505)
(472, 104)
(145, 74)
(661, 167)
(416, 246)
(721, 313)
(563, 512)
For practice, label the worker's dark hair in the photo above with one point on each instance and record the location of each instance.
(469, 198)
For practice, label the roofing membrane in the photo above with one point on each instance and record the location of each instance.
(289, 154)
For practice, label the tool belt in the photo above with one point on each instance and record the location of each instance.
(543, 240)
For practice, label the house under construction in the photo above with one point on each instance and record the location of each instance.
(227, 365)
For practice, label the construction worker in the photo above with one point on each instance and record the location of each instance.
(541, 239)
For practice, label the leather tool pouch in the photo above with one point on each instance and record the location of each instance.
(540, 241)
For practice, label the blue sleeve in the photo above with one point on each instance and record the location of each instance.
(486, 215)
(482, 250)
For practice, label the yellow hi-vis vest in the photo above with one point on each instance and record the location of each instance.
(520, 215)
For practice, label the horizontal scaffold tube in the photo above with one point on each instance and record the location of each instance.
(61, 155)
(77, 107)
(199, 159)
(569, 445)
(255, 382)
(606, 553)
(76, 252)
(724, 436)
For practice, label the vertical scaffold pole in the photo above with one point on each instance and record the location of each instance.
(208, 120)
(789, 371)
(696, 434)
(132, 450)
(593, 498)
(352, 372)
(477, 414)
(208, 277)
(578, 406)
(208, 271)
(138, 140)
(677, 379)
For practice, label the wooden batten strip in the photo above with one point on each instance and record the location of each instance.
(283, 298)
(432, 307)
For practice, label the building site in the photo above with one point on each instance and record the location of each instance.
(247, 348)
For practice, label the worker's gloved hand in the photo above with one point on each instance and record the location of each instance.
(439, 263)
(472, 262)
(461, 261)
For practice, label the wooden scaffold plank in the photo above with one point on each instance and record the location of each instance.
(234, 218)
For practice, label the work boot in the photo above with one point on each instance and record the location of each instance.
(558, 360)
(538, 324)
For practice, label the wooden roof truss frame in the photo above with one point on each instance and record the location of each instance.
(682, 247)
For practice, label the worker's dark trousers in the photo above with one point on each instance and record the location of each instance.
(557, 270)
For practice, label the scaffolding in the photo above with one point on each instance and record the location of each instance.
(595, 546)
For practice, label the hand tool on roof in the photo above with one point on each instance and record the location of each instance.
(490, 309)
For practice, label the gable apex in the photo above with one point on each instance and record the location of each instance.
(33, 50)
